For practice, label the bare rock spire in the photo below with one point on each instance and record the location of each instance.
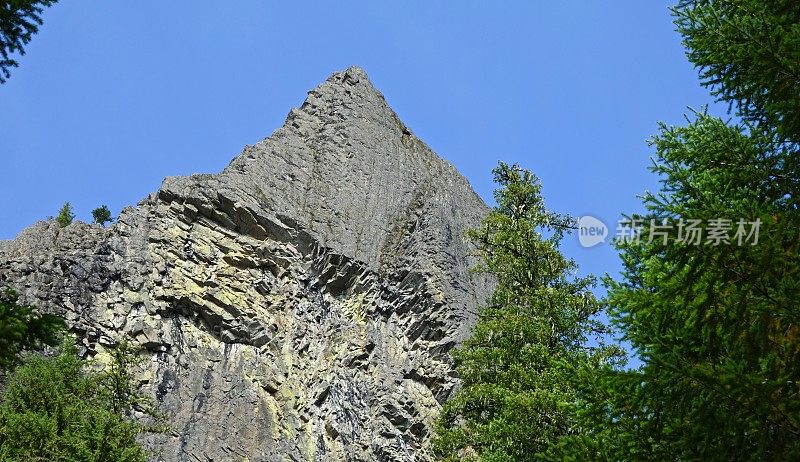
(299, 305)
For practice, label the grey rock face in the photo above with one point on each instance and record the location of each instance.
(300, 305)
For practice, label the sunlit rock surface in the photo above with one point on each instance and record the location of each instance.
(298, 306)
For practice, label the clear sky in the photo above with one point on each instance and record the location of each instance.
(114, 96)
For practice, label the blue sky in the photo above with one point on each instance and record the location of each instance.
(114, 96)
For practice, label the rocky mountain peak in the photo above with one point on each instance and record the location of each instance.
(299, 305)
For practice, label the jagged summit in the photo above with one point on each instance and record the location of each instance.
(344, 167)
(299, 305)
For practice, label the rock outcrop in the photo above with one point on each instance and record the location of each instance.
(300, 305)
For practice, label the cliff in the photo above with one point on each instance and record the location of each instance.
(299, 305)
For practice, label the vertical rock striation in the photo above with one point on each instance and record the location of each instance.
(300, 305)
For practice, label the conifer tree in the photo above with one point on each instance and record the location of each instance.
(57, 409)
(748, 55)
(101, 215)
(519, 364)
(22, 328)
(65, 215)
(19, 20)
(715, 320)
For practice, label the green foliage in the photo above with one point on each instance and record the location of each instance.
(716, 326)
(65, 215)
(748, 52)
(518, 366)
(19, 20)
(54, 409)
(118, 382)
(22, 328)
(101, 215)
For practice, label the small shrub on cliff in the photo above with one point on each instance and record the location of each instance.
(101, 215)
(65, 215)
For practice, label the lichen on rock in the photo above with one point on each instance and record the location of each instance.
(299, 305)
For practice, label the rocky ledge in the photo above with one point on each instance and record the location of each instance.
(299, 305)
